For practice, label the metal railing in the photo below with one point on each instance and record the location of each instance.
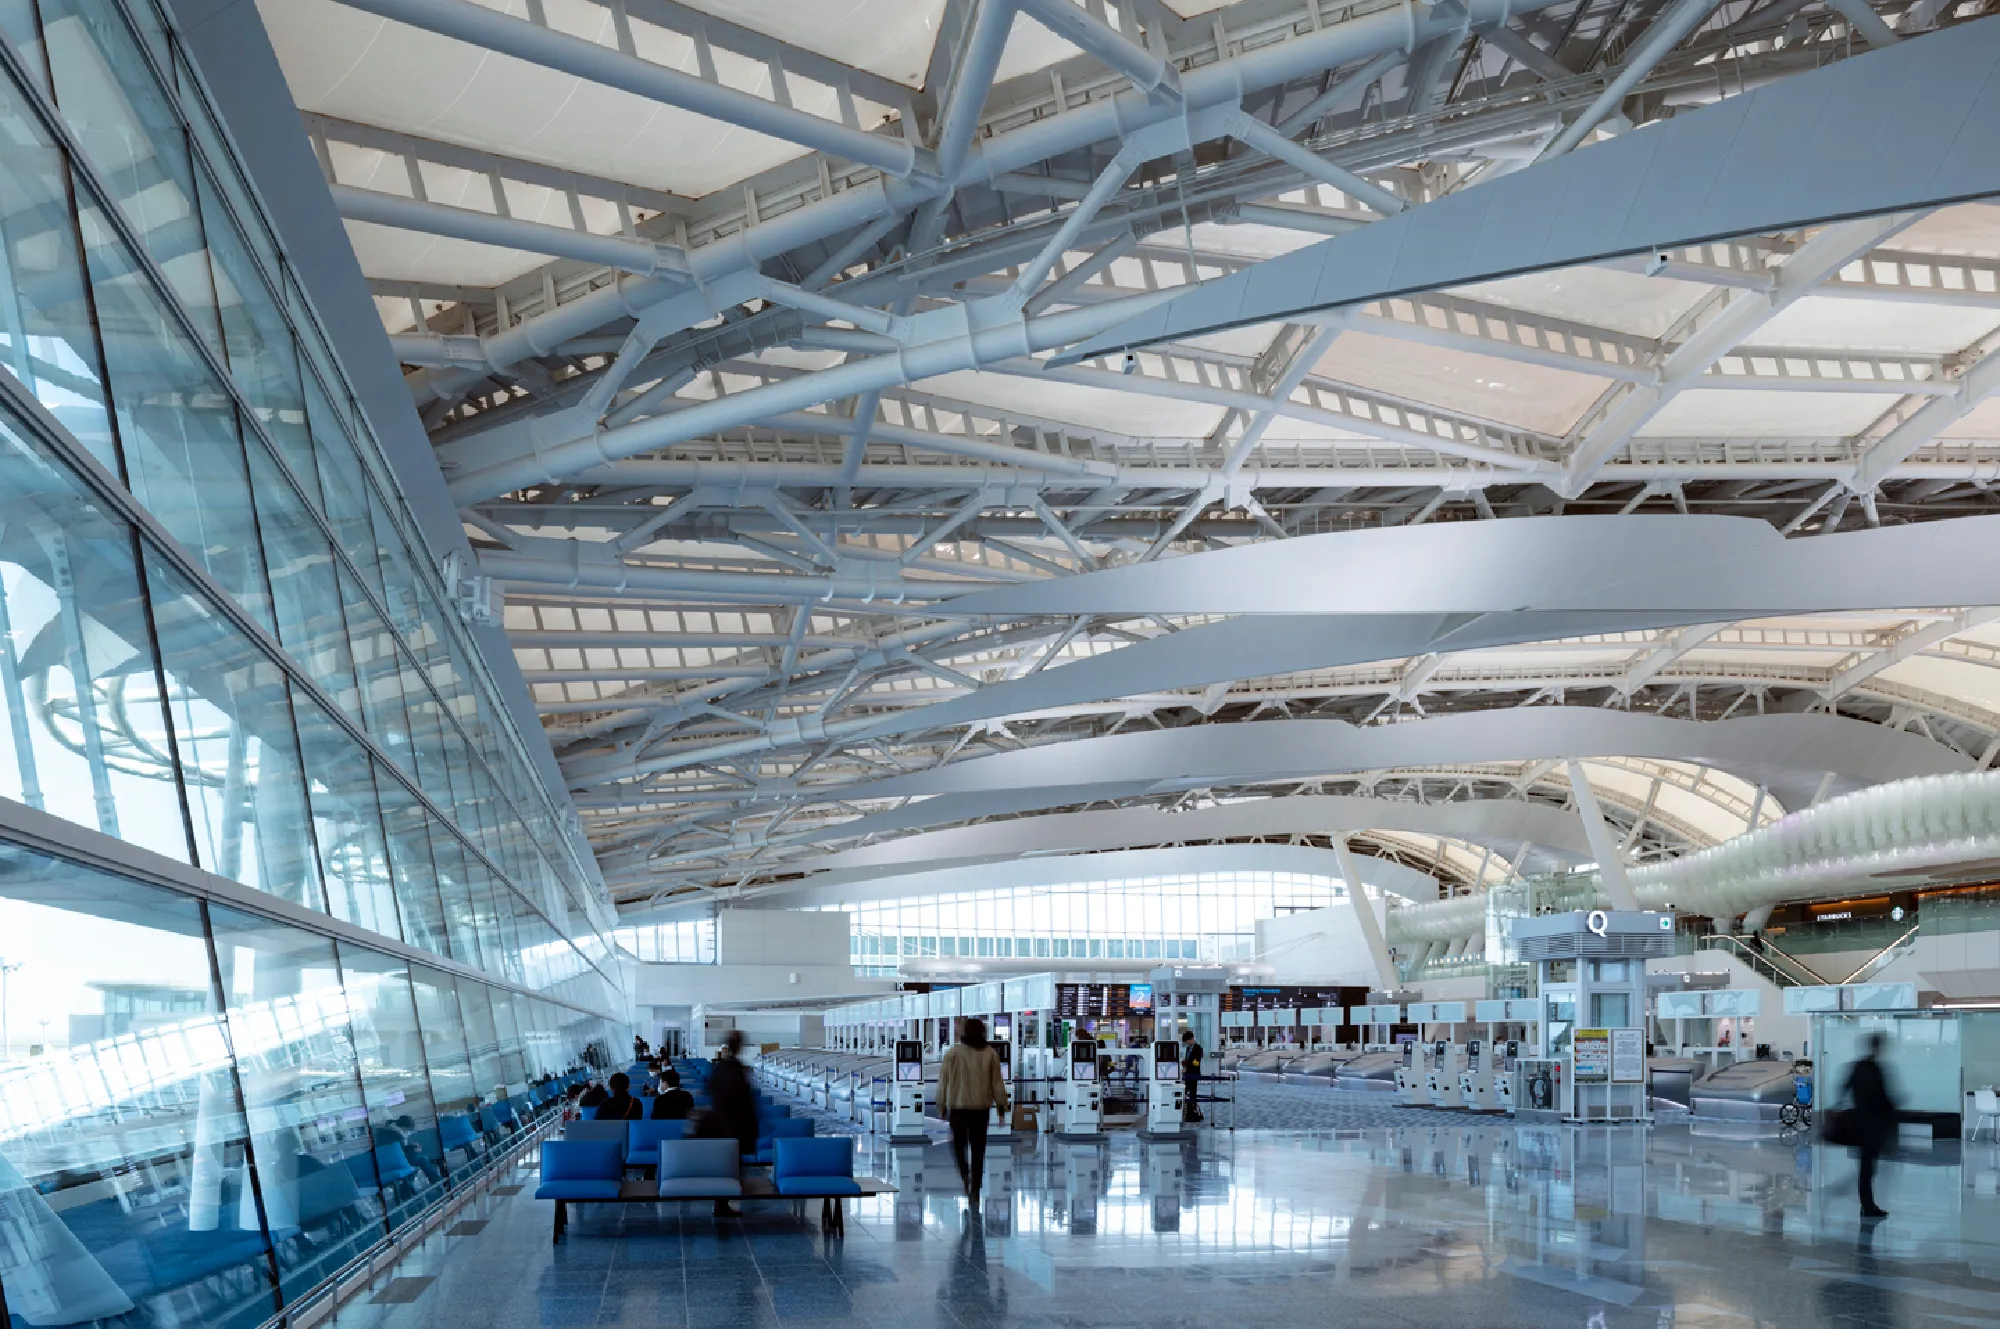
(1766, 961)
(1875, 962)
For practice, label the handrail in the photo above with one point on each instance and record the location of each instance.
(1887, 952)
(1797, 975)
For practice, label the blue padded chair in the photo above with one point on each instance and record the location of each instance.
(579, 1170)
(787, 1128)
(699, 1170)
(392, 1163)
(600, 1131)
(814, 1165)
(643, 1138)
(455, 1132)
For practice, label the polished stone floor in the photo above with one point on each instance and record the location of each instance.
(1466, 1223)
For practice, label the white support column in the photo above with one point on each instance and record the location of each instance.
(1364, 914)
(1610, 867)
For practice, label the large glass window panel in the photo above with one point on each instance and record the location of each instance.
(45, 316)
(452, 1090)
(416, 878)
(208, 141)
(121, 118)
(124, 1195)
(342, 488)
(482, 1041)
(87, 738)
(232, 713)
(378, 666)
(399, 574)
(394, 1082)
(257, 341)
(305, 589)
(512, 1043)
(347, 823)
(455, 893)
(176, 423)
(315, 1159)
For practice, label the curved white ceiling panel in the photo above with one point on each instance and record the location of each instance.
(1125, 865)
(1708, 566)
(1787, 752)
(1503, 824)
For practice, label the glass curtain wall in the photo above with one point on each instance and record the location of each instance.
(220, 635)
(1203, 917)
(223, 643)
(214, 1111)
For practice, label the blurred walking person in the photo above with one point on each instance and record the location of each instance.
(1875, 1118)
(970, 1086)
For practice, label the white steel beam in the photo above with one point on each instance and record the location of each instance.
(525, 40)
(1826, 253)
(1910, 644)
(1924, 425)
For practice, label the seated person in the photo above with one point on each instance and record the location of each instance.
(620, 1105)
(673, 1102)
(594, 1095)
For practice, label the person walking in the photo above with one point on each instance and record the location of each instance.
(970, 1085)
(1875, 1118)
(1190, 1077)
(620, 1105)
(733, 1110)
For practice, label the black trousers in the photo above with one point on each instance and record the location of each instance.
(1866, 1182)
(968, 1143)
(1190, 1092)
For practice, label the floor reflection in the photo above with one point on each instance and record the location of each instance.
(1485, 1223)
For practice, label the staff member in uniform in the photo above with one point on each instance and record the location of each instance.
(1190, 1077)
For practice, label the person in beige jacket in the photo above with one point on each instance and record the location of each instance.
(970, 1085)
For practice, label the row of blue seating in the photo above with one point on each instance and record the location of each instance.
(593, 1171)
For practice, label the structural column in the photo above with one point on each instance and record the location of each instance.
(1364, 915)
(1610, 866)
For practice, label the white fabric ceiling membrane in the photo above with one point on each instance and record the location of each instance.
(1503, 825)
(1788, 753)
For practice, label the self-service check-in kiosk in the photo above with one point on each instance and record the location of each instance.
(1410, 1091)
(1082, 1094)
(1165, 1095)
(1475, 1082)
(907, 1119)
(1441, 1080)
(1506, 1071)
(1002, 1131)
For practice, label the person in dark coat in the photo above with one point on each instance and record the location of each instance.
(620, 1106)
(593, 1096)
(733, 1113)
(672, 1103)
(1875, 1118)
